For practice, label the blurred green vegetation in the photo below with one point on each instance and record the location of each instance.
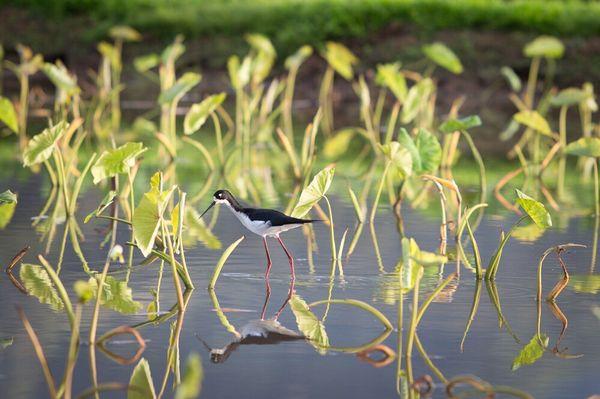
(291, 23)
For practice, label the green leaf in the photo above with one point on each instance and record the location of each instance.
(340, 59)
(308, 323)
(421, 257)
(399, 157)
(141, 379)
(125, 33)
(184, 84)
(389, 75)
(462, 124)
(106, 201)
(425, 150)
(37, 282)
(41, 146)
(535, 209)
(198, 113)
(533, 120)
(513, 79)
(145, 63)
(6, 342)
(60, 77)
(409, 268)
(147, 216)
(8, 115)
(116, 161)
(173, 51)
(584, 147)
(443, 56)
(313, 193)
(116, 295)
(264, 58)
(531, 352)
(8, 197)
(585, 283)
(191, 382)
(84, 290)
(544, 46)
(337, 145)
(569, 96)
(416, 99)
(8, 203)
(239, 74)
(295, 60)
(528, 233)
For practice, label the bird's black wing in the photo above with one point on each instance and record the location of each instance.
(275, 217)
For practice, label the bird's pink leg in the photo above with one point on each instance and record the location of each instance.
(289, 258)
(267, 296)
(287, 299)
(269, 263)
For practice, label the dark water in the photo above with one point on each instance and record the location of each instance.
(295, 369)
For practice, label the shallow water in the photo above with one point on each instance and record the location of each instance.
(295, 368)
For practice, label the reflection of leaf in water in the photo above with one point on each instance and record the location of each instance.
(6, 342)
(308, 323)
(529, 233)
(196, 230)
(141, 379)
(531, 352)
(7, 210)
(37, 282)
(116, 295)
(585, 283)
(191, 382)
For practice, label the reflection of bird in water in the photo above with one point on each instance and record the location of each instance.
(255, 332)
(264, 222)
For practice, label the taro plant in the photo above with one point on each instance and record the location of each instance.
(67, 95)
(589, 147)
(8, 203)
(196, 117)
(292, 64)
(8, 115)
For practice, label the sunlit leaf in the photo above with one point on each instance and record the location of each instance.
(308, 323)
(425, 150)
(409, 269)
(41, 146)
(6, 342)
(116, 161)
(295, 60)
(416, 99)
(141, 380)
(569, 96)
(110, 52)
(116, 295)
(173, 51)
(184, 84)
(530, 233)
(191, 382)
(313, 193)
(145, 63)
(37, 282)
(421, 257)
(533, 120)
(8, 116)
(390, 76)
(584, 147)
(531, 352)
(8, 197)
(544, 46)
(337, 145)
(85, 290)
(535, 209)
(198, 113)
(585, 283)
(399, 157)
(442, 55)
(147, 217)
(125, 33)
(61, 78)
(264, 58)
(462, 124)
(340, 59)
(239, 73)
(106, 201)
(512, 78)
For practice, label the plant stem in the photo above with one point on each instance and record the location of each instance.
(379, 190)
(167, 238)
(331, 229)
(562, 160)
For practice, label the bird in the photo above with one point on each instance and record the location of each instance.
(263, 222)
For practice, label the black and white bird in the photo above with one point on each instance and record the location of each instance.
(264, 222)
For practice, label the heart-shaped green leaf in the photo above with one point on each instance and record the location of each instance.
(125, 33)
(61, 78)
(308, 323)
(340, 59)
(295, 60)
(141, 385)
(533, 120)
(460, 125)
(416, 99)
(8, 116)
(144, 63)
(544, 46)
(389, 75)
(569, 96)
(198, 113)
(184, 84)
(116, 295)
(531, 352)
(41, 146)
(37, 282)
(399, 157)
(116, 161)
(314, 192)
(535, 209)
(584, 147)
(443, 56)
(425, 150)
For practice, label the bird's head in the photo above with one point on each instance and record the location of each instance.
(221, 197)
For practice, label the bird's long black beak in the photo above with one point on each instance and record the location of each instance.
(207, 209)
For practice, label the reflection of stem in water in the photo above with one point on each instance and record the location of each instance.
(221, 315)
(492, 290)
(472, 313)
(595, 245)
(412, 330)
(329, 291)
(376, 247)
(355, 238)
(428, 361)
(63, 245)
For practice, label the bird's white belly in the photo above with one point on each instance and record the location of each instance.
(261, 227)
